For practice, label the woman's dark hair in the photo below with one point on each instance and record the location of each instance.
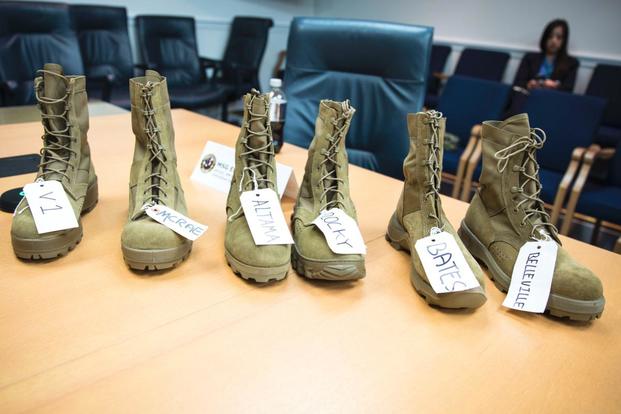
(561, 57)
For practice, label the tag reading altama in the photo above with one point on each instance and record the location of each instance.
(341, 232)
(531, 279)
(445, 265)
(50, 207)
(175, 221)
(265, 217)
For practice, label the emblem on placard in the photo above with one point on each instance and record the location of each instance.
(208, 163)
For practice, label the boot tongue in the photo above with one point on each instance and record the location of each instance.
(258, 105)
(54, 87)
(516, 125)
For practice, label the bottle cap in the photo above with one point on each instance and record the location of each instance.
(275, 83)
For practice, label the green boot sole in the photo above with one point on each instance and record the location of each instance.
(334, 271)
(254, 273)
(60, 244)
(159, 259)
(398, 238)
(559, 306)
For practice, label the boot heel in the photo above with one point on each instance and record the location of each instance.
(91, 198)
(397, 236)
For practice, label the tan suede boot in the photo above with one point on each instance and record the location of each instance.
(507, 212)
(65, 157)
(420, 209)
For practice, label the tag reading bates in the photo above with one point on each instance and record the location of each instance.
(532, 277)
(265, 217)
(50, 206)
(176, 221)
(341, 232)
(444, 263)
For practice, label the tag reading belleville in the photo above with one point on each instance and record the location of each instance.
(265, 217)
(341, 232)
(531, 278)
(50, 207)
(176, 221)
(445, 265)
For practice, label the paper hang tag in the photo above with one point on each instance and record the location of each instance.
(341, 232)
(445, 265)
(176, 221)
(216, 165)
(265, 217)
(50, 206)
(531, 278)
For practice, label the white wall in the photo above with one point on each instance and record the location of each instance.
(595, 31)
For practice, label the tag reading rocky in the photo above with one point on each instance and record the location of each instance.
(50, 207)
(341, 232)
(531, 278)
(265, 217)
(176, 221)
(445, 265)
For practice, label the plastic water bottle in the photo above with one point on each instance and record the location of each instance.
(278, 106)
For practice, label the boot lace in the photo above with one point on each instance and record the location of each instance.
(257, 159)
(56, 141)
(433, 163)
(332, 196)
(157, 154)
(530, 202)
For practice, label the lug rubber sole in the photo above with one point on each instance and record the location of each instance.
(151, 260)
(254, 273)
(341, 271)
(559, 306)
(58, 245)
(399, 239)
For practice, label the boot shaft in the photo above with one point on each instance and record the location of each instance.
(509, 182)
(326, 181)
(153, 177)
(62, 102)
(422, 166)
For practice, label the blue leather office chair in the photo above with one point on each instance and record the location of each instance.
(381, 67)
(466, 103)
(106, 52)
(32, 34)
(606, 83)
(482, 64)
(439, 56)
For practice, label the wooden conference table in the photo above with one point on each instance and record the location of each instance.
(84, 334)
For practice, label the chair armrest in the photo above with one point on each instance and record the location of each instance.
(282, 55)
(463, 160)
(441, 76)
(587, 162)
(473, 161)
(568, 178)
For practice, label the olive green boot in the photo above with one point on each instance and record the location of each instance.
(420, 209)
(147, 244)
(65, 157)
(255, 167)
(507, 212)
(325, 186)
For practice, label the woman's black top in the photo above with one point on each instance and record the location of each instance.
(564, 71)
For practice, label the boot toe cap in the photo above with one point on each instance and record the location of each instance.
(574, 281)
(240, 244)
(311, 244)
(150, 235)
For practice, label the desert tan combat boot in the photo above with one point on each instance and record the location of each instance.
(65, 157)
(147, 244)
(507, 212)
(255, 168)
(325, 186)
(420, 210)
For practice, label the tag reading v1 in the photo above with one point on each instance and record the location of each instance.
(265, 217)
(50, 207)
(176, 221)
(445, 265)
(531, 278)
(341, 232)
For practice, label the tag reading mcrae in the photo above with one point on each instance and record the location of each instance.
(532, 277)
(50, 206)
(176, 221)
(444, 263)
(341, 232)
(265, 217)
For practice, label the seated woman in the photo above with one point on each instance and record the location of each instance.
(551, 68)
